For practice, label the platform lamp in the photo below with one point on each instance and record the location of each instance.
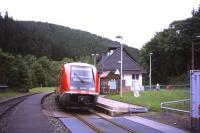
(198, 36)
(95, 56)
(150, 54)
(121, 62)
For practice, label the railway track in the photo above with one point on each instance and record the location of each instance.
(93, 127)
(114, 123)
(98, 129)
(8, 104)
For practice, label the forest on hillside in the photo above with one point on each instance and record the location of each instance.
(31, 53)
(53, 41)
(172, 51)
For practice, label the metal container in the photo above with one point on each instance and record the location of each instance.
(195, 100)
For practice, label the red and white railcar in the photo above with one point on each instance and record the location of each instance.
(78, 85)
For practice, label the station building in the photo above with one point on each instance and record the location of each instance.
(109, 64)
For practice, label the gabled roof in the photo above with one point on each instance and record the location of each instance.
(111, 62)
(104, 74)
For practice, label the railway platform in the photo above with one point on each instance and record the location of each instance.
(113, 107)
(28, 117)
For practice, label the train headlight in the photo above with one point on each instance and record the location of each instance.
(72, 88)
(92, 89)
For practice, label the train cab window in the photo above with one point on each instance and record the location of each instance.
(82, 78)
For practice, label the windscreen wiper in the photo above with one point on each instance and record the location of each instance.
(82, 81)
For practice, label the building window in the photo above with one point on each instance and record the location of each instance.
(135, 76)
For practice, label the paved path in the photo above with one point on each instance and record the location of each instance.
(156, 125)
(28, 117)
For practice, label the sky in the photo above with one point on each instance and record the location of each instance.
(136, 21)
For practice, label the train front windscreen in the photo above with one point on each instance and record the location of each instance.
(82, 78)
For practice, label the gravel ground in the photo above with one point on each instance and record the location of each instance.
(50, 104)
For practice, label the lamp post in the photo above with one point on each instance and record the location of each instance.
(150, 54)
(121, 62)
(192, 55)
(94, 56)
(193, 52)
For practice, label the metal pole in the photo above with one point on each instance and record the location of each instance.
(192, 55)
(95, 60)
(150, 71)
(94, 56)
(120, 37)
(121, 71)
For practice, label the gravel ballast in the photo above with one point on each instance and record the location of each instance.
(50, 103)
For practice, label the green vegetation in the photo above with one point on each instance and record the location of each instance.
(31, 53)
(152, 99)
(42, 89)
(171, 50)
(9, 93)
(23, 73)
(50, 40)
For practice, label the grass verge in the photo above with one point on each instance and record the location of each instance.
(152, 99)
(42, 89)
(8, 93)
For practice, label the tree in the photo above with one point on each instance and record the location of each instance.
(171, 49)
(19, 76)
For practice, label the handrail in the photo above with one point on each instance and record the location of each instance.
(162, 105)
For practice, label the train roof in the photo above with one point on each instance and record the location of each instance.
(78, 64)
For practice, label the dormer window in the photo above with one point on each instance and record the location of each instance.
(110, 52)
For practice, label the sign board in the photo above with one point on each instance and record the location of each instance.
(195, 100)
(112, 84)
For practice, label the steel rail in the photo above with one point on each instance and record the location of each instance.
(114, 123)
(87, 123)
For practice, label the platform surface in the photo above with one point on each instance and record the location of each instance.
(156, 125)
(28, 117)
(119, 106)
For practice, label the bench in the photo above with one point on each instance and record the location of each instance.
(3, 87)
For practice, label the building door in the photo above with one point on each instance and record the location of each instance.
(135, 82)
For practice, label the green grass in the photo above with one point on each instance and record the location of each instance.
(43, 89)
(152, 99)
(8, 93)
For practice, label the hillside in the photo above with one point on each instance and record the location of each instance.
(53, 41)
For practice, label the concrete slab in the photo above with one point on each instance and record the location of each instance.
(139, 128)
(116, 107)
(76, 126)
(156, 125)
(105, 126)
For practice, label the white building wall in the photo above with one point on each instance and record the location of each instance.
(136, 85)
(128, 79)
(140, 79)
(140, 83)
